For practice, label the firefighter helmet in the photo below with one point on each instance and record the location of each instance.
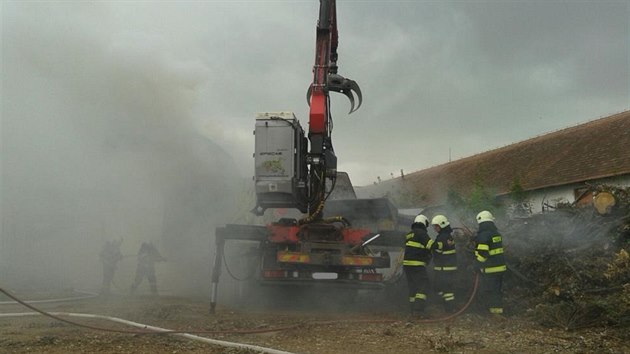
(440, 220)
(421, 219)
(484, 216)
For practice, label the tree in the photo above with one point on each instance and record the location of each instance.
(481, 198)
(520, 205)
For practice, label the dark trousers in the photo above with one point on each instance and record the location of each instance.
(145, 271)
(490, 294)
(108, 278)
(418, 283)
(445, 287)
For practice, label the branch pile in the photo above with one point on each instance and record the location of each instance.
(571, 267)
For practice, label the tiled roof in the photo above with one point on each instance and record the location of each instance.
(593, 150)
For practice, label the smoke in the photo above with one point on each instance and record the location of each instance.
(99, 143)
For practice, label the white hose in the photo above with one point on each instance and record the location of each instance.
(88, 295)
(157, 329)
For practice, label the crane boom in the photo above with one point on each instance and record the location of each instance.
(298, 171)
(306, 178)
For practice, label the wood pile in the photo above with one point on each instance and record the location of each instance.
(571, 267)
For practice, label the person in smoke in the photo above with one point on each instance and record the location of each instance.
(417, 256)
(147, 256)
(444, 261)
(110, 255)
(490, 263)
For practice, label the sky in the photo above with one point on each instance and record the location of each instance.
(135, 119)
(441, 79)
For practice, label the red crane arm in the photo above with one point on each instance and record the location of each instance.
(325, 51)
(321, 156)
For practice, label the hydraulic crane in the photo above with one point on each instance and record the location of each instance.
(316, 170)
(296, 172)
(321, 158)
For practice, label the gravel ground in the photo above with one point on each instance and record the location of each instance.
(325, 331)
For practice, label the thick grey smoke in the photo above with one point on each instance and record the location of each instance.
(99, 143)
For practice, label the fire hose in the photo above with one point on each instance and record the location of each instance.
(146, 329)
(426, 320)
(152, 330)
(161, 331)
(460, 311)
(88, 295)
(157, 330)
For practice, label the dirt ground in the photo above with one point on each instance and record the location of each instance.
(305, 331)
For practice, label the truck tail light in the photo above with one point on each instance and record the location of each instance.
(357, 261)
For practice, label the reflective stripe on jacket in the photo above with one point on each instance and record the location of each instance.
(444, 253)
(417, 247)
(489, 250)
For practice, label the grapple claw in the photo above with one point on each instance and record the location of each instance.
(357, 91)
(338, 83)
(308, 95)
(351, 98)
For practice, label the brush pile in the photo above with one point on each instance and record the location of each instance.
(570, 268)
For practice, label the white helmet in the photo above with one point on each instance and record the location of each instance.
(440, 220)
(421, 219)
(484, 216)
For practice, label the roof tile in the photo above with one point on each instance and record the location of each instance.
(596, 149)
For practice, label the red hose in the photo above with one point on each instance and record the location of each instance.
(428, 320)
(243, 331)
(453, 315)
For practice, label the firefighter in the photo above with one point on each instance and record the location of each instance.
(110, 255)
(417, 256)
(444, 261)
(490, 263)
(147, 256)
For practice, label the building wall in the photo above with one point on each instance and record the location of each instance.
(542, 200)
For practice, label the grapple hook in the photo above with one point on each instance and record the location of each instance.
(338, 83)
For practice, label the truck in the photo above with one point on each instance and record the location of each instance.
(329, 236)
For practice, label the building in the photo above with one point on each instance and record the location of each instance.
(551, 169)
